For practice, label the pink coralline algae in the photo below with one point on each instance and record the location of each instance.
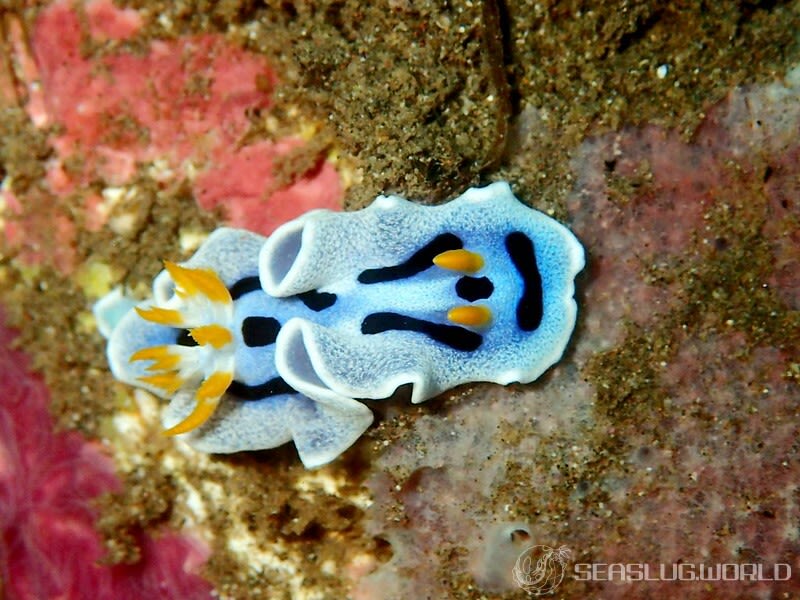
(167, 569)
(184, 103)
(181, 100)
(39, 234)
(684, 449)
(48, 480)
(242, 195)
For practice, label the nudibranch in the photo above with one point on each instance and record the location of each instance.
(260, 341)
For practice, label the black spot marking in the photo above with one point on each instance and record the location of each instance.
(422, 259)
(317, 301)
(456, 337)
(272, 387)
(260, 331)
(245, 286)
(474, 288)
(530, 306)
(185, 338)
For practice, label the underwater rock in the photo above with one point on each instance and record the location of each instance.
(683, 449)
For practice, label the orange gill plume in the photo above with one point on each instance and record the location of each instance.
(204, 302)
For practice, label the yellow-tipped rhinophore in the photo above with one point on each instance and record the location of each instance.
(459, 260)
(470, 315)
(216, 335)
(193, 281)
(162, 359)
(207, 397)
(162, 316)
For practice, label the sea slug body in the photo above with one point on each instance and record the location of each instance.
(261, 341)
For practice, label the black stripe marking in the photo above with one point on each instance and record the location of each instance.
(474, 288)
(245, 286)
(422, 259)
(313, 299)
(272, 387)
(530, 306)
(185, 338)
(456, 337)
(317, 301)
(260, 331)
